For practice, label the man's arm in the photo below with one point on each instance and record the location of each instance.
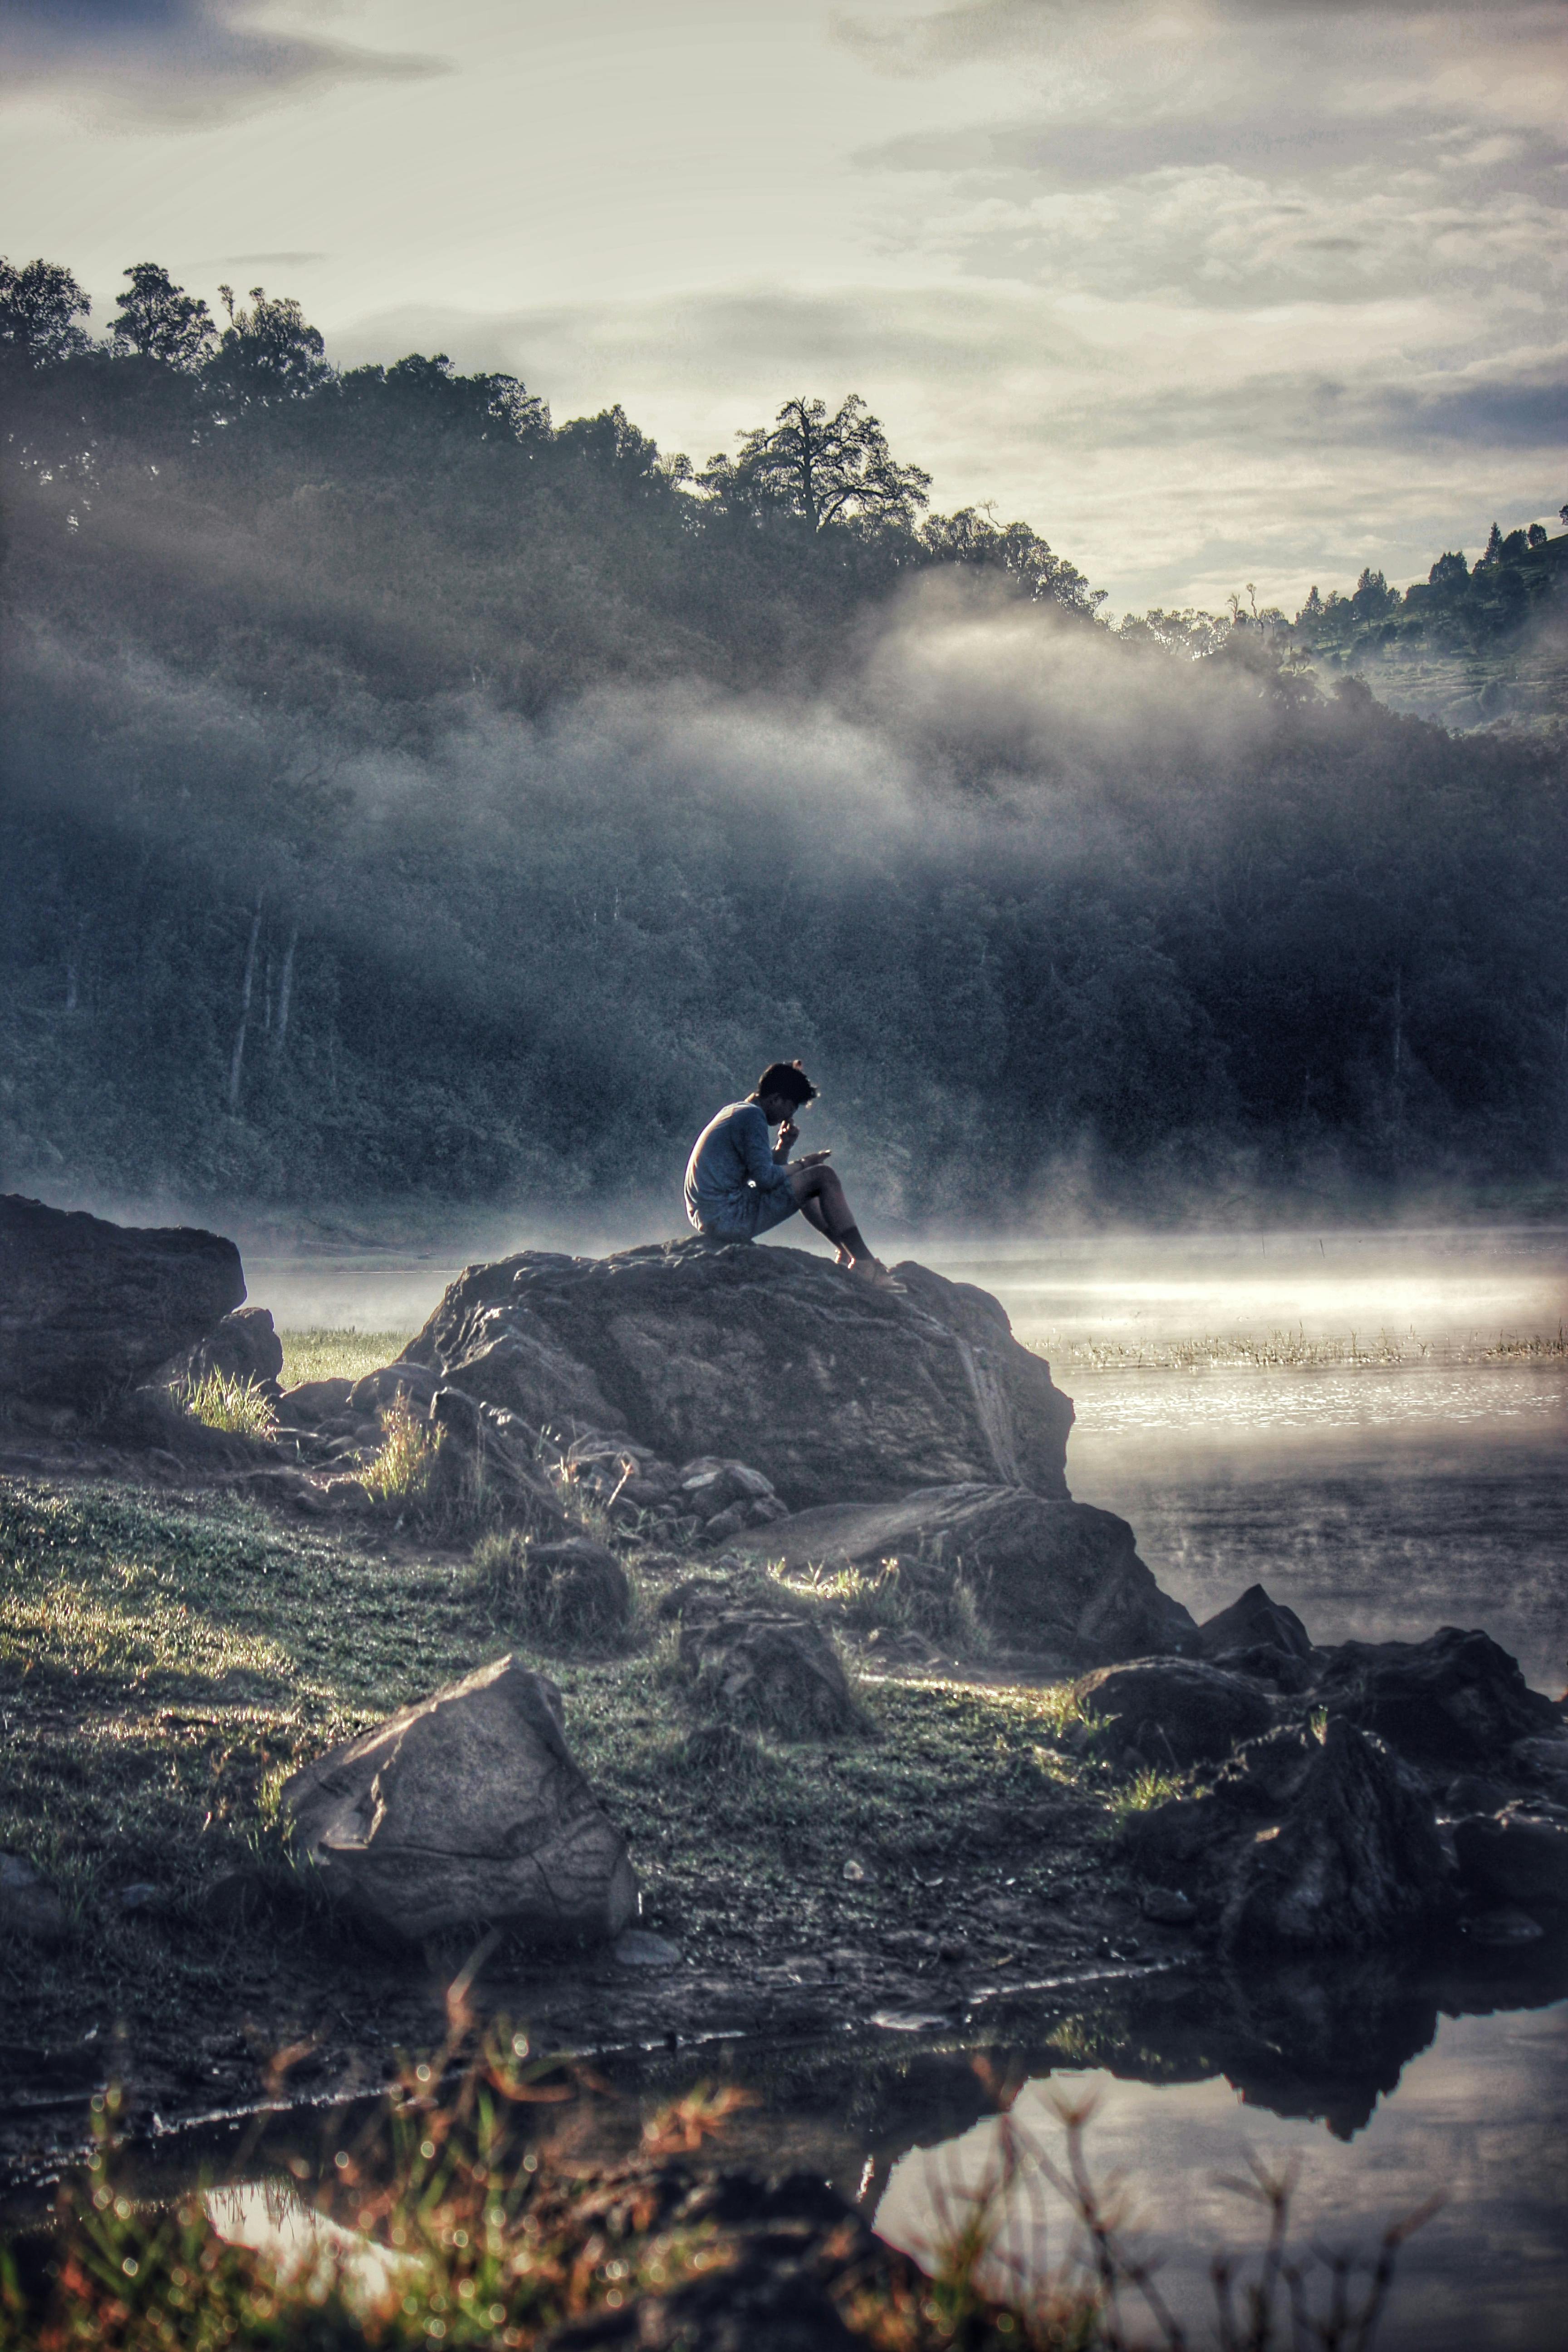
(766, 1172)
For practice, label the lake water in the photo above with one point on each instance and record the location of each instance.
(1396, 1481)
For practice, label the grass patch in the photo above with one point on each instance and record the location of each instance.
(895, 1598)
(1286, 1350)
(238, 1406)
(322, 1354)
(1146, 1790)
(400, 1472)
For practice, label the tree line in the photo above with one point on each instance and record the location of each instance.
(407, 795)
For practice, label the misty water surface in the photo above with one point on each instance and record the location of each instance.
(1380, 1499)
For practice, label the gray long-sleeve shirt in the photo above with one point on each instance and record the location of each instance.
(734, 1149)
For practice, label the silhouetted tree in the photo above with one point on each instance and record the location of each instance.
(160, 320)
(39, 306)
(826, 469)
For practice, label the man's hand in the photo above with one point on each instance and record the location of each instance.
(813, 1158)
(788, 1134)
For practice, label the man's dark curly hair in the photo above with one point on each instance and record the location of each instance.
(786, 1079)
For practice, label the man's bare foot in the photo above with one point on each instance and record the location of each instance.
(872, 1270)
(843, 1258)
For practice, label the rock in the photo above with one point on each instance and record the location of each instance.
(1472, 1792)
(722, 1749)
(141, 1897)
(637, 1949)
(466, 1810)
(244, 1347)
(780, 1673)
(87, 1309)
(369, 1397)
(725, 1498)
(1543, 1760)
(1453, 1700)
(1172, 1710)
(1355, 1860)
(312, 1403)
(832, 1390)
(575, 1588)
(480, 1471)
(1503, 1927)
(1055, 1575)
(30, 1906)
(1254, 1622)
(1265, 1664)
(1168, 1907)
(1514, 1858)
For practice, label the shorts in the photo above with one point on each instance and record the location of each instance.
(748, 1212)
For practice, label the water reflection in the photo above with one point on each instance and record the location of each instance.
(1416, 2102)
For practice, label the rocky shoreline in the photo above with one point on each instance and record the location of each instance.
(777, 1686)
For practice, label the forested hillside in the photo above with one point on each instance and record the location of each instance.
(406, 796)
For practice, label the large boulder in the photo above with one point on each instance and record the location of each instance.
(1172, 1710)
(1457, 1699)
(1300, 1846)
(87, 1309)
(833, 1391)
(463, 1811)
(1050, 1574)
(1355, 1860)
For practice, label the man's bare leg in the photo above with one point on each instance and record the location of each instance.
(819, 1190)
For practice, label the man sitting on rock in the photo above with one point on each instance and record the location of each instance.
(739, 1183)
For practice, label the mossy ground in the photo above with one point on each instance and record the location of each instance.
(167, 1660)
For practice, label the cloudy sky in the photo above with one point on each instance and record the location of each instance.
(1207, 291)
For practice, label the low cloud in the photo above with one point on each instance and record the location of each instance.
(183, 62)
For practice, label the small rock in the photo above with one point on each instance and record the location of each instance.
(1176, 1709)
(1472, 1792)
(29, 1905)
(141, 1896)
(312, 1403)
(781, 1673)
(1503, 1927)
(637, 1949)
(244, 1347)
(1514, 1858)
(576, 1588)
(1168, 1907)
(1254, 1621)
(855, 1872)
(723, 1749)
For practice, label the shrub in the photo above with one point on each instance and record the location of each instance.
(400, 1472)
(575, 1590)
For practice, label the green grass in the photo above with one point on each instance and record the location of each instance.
(888, 1599)
(1284, 1350)
(401, 1471)
(164, 1665)
(238, 1406)
(348, 1355)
